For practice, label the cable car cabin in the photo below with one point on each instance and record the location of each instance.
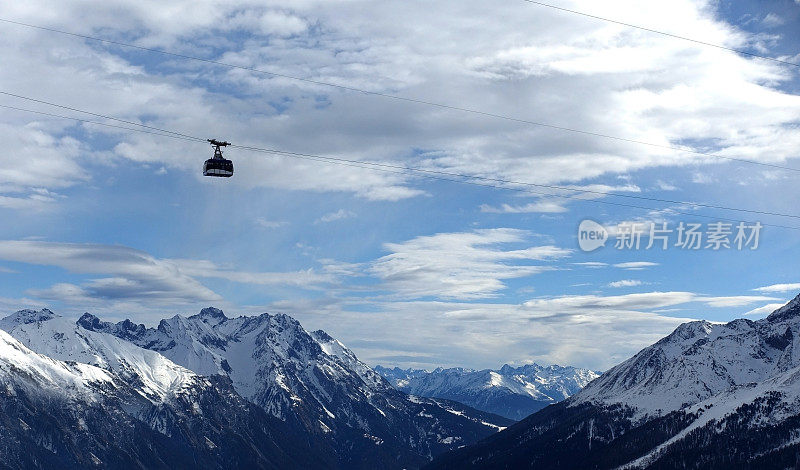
(218, 166)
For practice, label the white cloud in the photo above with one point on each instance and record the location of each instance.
(464, 265)
(580, 304)
(269, 22)
(339, 268)
(625, 283)
(262, 222)
(133, 273)
(771, 20)
(555, 204)
(702, 178)
(635, 265)
(9, 305)
(38, 164)
(733, 301)
(791, 287)
(659, 90)
(133, 276)
(592, 264)
(334, 216)
(664, 186)
(307, 278)
(546, 206)
(765, 309)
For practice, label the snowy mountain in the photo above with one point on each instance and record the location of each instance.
(151, 374)
(706, 396)
(511, 392)
(110, 404)
(26, 316)
(313, 383)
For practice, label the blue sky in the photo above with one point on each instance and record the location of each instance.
(405, 270)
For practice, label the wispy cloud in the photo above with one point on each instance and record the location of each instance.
(765, 309)
(264, 223)
(591, 264)
(133, 274)
(9, 305)
(791, 287)
(625, 283)
(464, 265)
(581, 304)
(545, 205)
(554, 204)
(771, 20)
(635, 265)
(307, 278)
(136, 276)
(733, 301)
(334, 216)
(664, 186)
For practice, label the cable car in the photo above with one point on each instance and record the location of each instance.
(218, 166)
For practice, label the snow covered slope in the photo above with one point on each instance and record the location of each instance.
(153, 375)
(511, 392)
(40, 374)
(700, 360)
(115, 405)
(312, 382)
(25, 316)
(706, 396)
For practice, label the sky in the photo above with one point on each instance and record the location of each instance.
(405, 270)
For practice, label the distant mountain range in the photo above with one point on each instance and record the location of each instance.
(513, 392)
(708, 396)
(209, 391)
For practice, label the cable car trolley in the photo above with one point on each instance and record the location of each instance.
(218, 165)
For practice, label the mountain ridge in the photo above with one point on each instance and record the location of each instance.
(72, 414)
(708, 395)
(513, 392)
(312, 382)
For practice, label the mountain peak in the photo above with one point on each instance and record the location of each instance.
(315, 385)
(705, 389)
(88, 321)
(44, 313)
(791, 309)
(26, 316)
(125, 329)
(531, 368)
(688, 332)
(211, 315)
